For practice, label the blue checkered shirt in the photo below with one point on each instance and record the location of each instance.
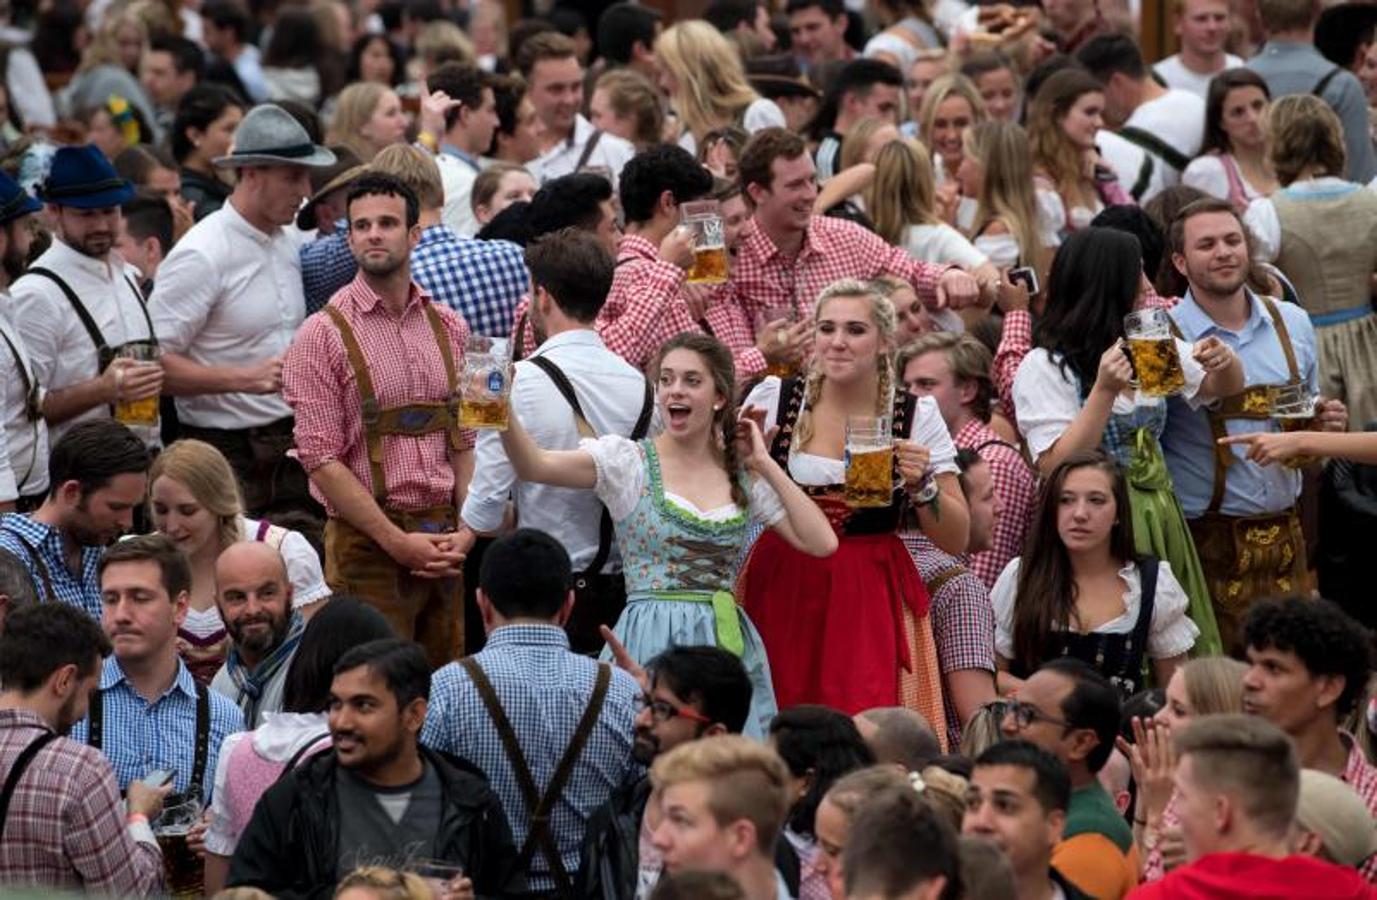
(544, 689)
(480, 280)
(20, 535)
(139, 737)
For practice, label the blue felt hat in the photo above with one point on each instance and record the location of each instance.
(81, 177)
(14, 200)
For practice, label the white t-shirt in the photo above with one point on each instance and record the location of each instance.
(1177, 118)
(942, 245)
(1207, 173)
(1178, 77)
(1170, 633)
(761, 114)
(927, 429)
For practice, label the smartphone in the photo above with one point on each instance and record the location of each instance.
(159, 777)
(1027, 276)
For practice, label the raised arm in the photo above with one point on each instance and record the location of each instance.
(557, 468)
(804, 526)
(1086, 430)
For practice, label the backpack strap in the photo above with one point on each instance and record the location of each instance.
(1151, 143)
(198, 764)
(1140, 184)
(588, 149)
(1320, 86)
(540, 806)
(42, 568)
(303, 751)
(21, 764)
(95, 720)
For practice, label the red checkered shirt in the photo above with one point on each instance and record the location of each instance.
(1016, 486)
(963, 622)
(405, 365)
(833, 249)
(65, 829)
(1015, 340)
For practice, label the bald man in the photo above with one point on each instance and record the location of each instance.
(898, 736)
(254, 596)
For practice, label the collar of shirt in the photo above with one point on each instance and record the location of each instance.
(574, 337)
(22, 718)
(436, 235)
(633, 246)
(235, 221)
(528, 636)
(1195, 321)
(451, 150)
(113, 675)
(1275, 47)
(364, 299)
(973, 434)
(62, 258)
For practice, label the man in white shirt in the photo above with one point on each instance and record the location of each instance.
(79, 305)
(1203, 27)
(463, 138)
(23, 433)
(549, 63)
(571, 272)
(228, 301)
(1157, 130)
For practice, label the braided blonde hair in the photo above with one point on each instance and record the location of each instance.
(886, 321)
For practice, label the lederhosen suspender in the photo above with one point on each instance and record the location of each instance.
(21, 763)
(940, 580)
(104, 352)
(1151, 144)
(566, 389)
(43, 572)
(540, 807)
(33, 412)
(413, 419)
(95, 732)
(588, 149)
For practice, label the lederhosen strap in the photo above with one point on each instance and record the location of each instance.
(43, 572)
(95, 732)
(1320, 86)
(31, 411)
(1151, 143)
(588, 149)
(21, 763)
(539, 807)
(940, 580)
(566, 390)
(104, 352)
(1147, 600)
(413, 419)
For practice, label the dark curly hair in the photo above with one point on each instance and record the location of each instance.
(819, 744)
(1325, 638)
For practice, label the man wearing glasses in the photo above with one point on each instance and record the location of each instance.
(1072, 711)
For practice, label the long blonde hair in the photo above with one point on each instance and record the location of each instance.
(353, 111)
(886, 321)
(943, 89)
(902, 192)
(712, 86)
(1006, 192)
(104, 48)
(203, 470)
(1052, 147)
(1214, 685)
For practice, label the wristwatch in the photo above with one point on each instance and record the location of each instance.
(926, 491)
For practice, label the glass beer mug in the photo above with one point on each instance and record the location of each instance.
(704, 217)
(869, 461)
(1293, 408)
(487, 385)
(1152, 348)
(184, 872)
(145, 411)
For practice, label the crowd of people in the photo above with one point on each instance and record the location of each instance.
(818, 449)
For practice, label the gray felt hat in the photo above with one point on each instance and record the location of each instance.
(269, 136)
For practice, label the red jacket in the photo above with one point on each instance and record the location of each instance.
(1244, 875)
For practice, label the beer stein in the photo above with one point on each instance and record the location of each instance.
(145, 411)
(1293, 408)
(869, 461)
(704, 217)
(770, 317)
(1152, 349)
(184, 872)
(487, 385)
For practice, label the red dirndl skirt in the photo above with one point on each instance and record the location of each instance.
(835, 629)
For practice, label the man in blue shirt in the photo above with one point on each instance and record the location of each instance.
(1242, 515)
(98, 471)
(149, 714)
(551, 729)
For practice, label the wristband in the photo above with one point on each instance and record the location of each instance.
(136, 819)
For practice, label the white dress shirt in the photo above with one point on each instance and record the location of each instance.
(611, 153)
(611, 393)
(457, 176)
(230, 295)
(23, 444)
(58, 345)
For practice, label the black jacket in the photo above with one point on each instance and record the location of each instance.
(207, 194)
(290, 847)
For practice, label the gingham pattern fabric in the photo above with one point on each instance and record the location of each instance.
(139, 737)
(65, 829)
(326, 266)
(480, 280)
(19, 533)
(544, 689)
(405, 365)
(1015, 340)
(1015, 484)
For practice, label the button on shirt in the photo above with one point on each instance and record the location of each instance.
(59, 346)
(611, 153)
(23, 443)
(544, 689)
(139, 737)
(229, 295)
(27, 540)
(611, 393)
(405, 365)
(1188, 443)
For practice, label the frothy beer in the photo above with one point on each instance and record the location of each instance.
(484, 414)
(709, 266)
(1157, 365)
(870, 477)
(137, 412)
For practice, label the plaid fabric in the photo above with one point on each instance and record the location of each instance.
(962, 617)
(326, 266)
(65, 829)
(544, 689)
(643, 309)
(19, 533)
(139, 737)
(404, 364)
(1015, 341)
(1016, 486)
(480, 280)
(833, 249)
(1361, 775)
